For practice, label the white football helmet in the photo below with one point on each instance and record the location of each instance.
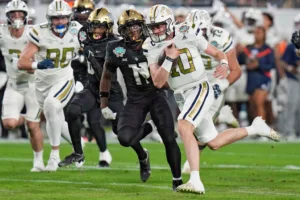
(200, 21)
(253, 18)
(59, 8)
(297, 23)
(157, 15)
(16, 5)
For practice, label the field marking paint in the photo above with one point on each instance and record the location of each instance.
(265, 192)
(140, 185)
(44, 181)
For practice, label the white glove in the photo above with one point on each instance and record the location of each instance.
(108, 113)
(78, 86)
(223, 84)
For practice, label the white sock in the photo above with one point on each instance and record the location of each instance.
(102, 154)
(250, 130)
(38, 156)
(152, 124)
(54, 153)
(194, 177)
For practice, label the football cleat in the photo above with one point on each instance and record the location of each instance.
(176, 183)
(52, 165)
(189, 187)
(72, 158)
(264, 130)
(226, 116)
(38, 167)
(145, 170)
(105, 159)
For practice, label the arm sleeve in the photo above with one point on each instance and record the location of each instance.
(201, 43)
(33, 36)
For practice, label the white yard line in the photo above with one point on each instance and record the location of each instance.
(44, 181)
(260, 192)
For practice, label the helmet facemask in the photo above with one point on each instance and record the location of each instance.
(16, 19)
(158, 32)
(98, 31)
(59, 24)
(133, 32)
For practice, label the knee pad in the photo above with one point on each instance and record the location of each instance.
(52, 105)
(74, 112)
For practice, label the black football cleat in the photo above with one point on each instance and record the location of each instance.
(72, 158)
(176, 183)
(103, 164)
(145, 170)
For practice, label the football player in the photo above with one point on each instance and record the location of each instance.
(193, 93)
(222, 40)
(20, 88)
(93, 40)
(54, 45)
(142, 96)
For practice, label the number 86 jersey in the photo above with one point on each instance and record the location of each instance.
(189, 70)
(60, 50)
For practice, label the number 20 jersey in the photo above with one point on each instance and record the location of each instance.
(189, 70)
(60, 50)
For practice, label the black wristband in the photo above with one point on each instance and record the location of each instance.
(103, 94)
(169, 59)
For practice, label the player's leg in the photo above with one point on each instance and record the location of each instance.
(259, 99)
(196, 106)
(130, 122)
(13, 102)
(4, 131)
(94, 120)
(162, 117)
(58, 96)
(33, 124)
(82, 102)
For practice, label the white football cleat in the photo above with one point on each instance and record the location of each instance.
(226, 116)
(264, 130)
(38, 167)
(105, 159)
(52, 165)
(186, 168)
(190, 187)
(154, 134)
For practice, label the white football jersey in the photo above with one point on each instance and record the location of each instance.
(190, 69)
(220, 39)
(60, 50)
(11, 49)
(244, 37)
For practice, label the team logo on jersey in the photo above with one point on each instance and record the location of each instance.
(73, 31)
(215, 44)
(184, 29)
(119, 51)
(82, 35)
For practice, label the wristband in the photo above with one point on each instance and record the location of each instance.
(34, 65)
(224, 62)
(223, 83)
(104, 94)
(167, 64)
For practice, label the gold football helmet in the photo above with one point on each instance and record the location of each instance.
(82, 9)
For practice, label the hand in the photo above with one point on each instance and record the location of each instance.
(221, 71)
(108, 113)
(252, 64)
(217, 90)
(171, 51)
(296, 39)
(45, 64)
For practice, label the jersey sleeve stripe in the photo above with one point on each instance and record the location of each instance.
(34, 38)
(228, 46)
(227, 41)
(35, 32)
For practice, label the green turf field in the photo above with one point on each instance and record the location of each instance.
(240, 171)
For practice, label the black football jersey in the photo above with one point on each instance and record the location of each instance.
(129, 61)
(97, 52)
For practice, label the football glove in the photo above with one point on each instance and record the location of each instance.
(108, 113)
(45, 64)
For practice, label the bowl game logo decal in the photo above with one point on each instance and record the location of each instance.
(82, 35)
(119, 51)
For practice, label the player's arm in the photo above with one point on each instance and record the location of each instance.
(25, 61)
(234, 67)
(160, 74)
